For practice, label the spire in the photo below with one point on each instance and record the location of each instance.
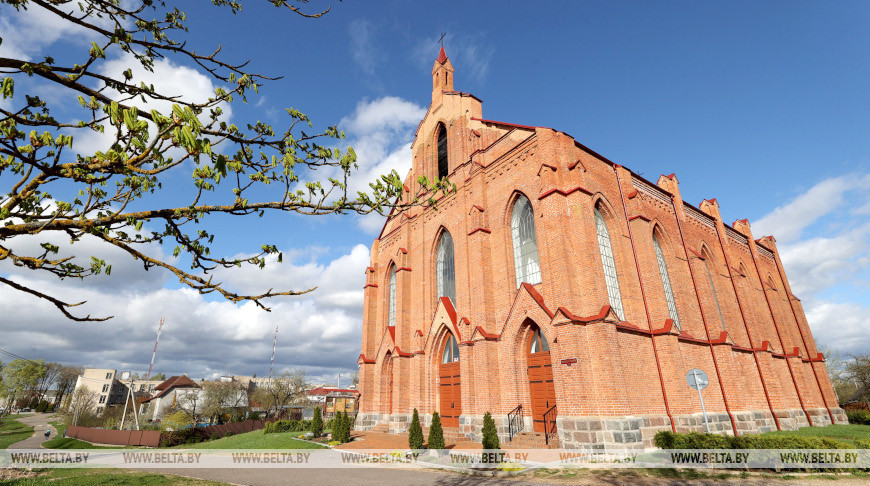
(442, 56)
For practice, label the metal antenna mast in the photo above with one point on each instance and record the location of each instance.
(159, 330)
(274, 346)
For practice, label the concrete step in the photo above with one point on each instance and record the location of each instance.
(532, 440)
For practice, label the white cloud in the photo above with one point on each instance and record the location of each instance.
(787, 222)
(361, 47)
(27, 32)
(830, 271)
(319, 332)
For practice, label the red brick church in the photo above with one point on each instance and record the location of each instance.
(565, 294)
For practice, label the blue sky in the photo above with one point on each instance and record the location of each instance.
(763, 105)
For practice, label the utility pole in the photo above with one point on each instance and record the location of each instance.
(274, 347)
(126, 399)
(159, 329)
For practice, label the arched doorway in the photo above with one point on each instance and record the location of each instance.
(542, 391)
(450, 387)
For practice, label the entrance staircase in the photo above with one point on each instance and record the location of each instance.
(533, 440)
(452, 435)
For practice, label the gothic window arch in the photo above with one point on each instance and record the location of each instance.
(392, 297)
(445, 268)
(527, 266)
(605, 248)
(441, 137)
(666, 280)
(451, 350)
(539, 343)
(706, 258)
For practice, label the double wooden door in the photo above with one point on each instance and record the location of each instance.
(451, 398)
(541, 387)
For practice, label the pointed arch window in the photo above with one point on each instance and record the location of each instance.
(539, 343)
(393, 295)
(607, 261)
(526, 264)
(706, 259)
(666, 281)
(445, 269)
(451, 351)
(443, 167)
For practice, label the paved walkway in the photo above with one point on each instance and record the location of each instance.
(39, 422)
(382, 440)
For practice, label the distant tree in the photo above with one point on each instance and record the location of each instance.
(190, 401)
(490, 434)
(48, 379)
(20, 376)
(436, 433)
(415, 432)
(287, 389)
(81, 405)
(223, 397)
(858, 372)
(57, 192)
(354, 378)
(159, 376)
(66, 381)
(317, 422)
(176, 421)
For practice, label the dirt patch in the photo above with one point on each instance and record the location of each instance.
(10, 474)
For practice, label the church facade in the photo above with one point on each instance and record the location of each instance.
(565, 294)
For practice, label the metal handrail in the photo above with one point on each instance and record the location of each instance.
(515, 422)
(549, 416)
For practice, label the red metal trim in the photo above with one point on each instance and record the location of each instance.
(370, 269)
(564, 193)
(486, 335)
(752, 252)
(597, 317)
(370, 285)
(527, 127)
(538, 298)
(574, 164)
(703, 314)
(475, 230)
(640, 217)
(645, 304)
(403, 250)
(365, 360)
(569, 361)
(407, 269)
(632, 194)
(475, 206)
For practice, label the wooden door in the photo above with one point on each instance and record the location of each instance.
(541, 388)
(450, 388)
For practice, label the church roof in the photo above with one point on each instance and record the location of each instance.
(442, 56)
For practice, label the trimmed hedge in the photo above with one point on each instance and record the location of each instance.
(279, 426)
(693, 440)
(858, 417)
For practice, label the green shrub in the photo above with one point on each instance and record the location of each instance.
(415, 432)
(490, 434)
(693, 440)
(317, 422)
(436, 433)
(858, 417)
(279, 426)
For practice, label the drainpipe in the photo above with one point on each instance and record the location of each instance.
(782, 279)
(745, 325)
(752, 252)
(703, 316)
(643, 295)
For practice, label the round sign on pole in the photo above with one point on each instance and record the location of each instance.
(697, 379)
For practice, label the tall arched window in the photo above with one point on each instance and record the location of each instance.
(451, 351)
(443, 168)
(526, 264)
(445, 268)
(666, 281)
(539, 343)
(393, 295)
(609, 264)
(706, 258)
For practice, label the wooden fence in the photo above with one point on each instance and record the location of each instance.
(150, 438)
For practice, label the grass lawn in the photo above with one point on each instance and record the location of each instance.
(256, 440)
(59, 426)
(12, 431)
(104, 477)
(847, 433)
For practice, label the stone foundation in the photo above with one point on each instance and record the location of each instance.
(635, 432)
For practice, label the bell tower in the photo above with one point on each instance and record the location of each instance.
(442, 75)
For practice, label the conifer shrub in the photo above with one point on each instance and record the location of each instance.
(490, 434)
(317, 422)
(415, 432)
(858, 417)
(436, 433)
